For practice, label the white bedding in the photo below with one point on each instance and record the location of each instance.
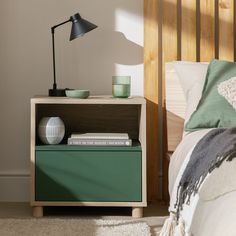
(188, 142)
(213, 210)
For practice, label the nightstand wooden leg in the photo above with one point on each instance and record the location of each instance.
(38, 211)
(137, 212)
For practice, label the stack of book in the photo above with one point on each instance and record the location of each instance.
(100, 139)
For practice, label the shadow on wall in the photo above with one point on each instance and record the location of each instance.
(96, 55)
(88, 62)
(97, 67)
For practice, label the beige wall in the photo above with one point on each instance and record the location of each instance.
(115, 48)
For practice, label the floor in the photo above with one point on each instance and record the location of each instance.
(154, 214)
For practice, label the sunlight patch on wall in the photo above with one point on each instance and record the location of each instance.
(131, 25)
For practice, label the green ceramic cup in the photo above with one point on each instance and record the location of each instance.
(121, 86)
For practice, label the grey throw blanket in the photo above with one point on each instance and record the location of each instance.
(215, 147)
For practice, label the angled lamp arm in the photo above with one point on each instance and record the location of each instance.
(55, 26)
(79, 27)
(53, 51)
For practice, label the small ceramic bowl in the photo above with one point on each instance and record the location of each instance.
(77, 93)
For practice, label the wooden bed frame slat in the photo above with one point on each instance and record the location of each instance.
(226, 29)
(188, 28)
(170, 53)
(207, 30)
(169, 30)
(151, 65)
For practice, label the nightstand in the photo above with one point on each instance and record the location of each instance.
(63, 175)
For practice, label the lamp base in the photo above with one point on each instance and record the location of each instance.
(56, 93)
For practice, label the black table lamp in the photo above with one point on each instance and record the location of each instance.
(80, 27)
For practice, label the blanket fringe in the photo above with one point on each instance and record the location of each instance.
(180, 228)
(169, 226)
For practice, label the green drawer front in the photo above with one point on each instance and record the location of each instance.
(88, 176)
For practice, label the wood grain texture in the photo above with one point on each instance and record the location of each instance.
(32, 152)
(91, 100)
(143, 141)
(151, 50)
(83, 118)
(169, 31)
(137, 212)
(108, 204)
(152, 151)
(166, 196)
(207, 30)
(169, 46)
(151, 67)
(37, 211)
(188, 27)
(89, 115)
(169, 49)
(226, 29)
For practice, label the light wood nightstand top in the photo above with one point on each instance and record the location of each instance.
(108, 99)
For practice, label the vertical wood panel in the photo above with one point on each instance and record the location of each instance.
(151, 49)
(188, 26)
(207, 30)
(169, 34)
(151, 93)
(226, 29)
(169, 30)
(169, 49)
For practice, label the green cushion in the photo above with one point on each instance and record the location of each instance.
(213, 110)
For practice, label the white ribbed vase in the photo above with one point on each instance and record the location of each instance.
(51, 130)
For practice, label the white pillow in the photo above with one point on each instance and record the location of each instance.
(192, 77)
(227, 89)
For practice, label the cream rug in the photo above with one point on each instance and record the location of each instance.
(72, 227)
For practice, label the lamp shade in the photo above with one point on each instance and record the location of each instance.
(80, 26)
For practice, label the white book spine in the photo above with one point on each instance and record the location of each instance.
(101, 142)
(101, 136)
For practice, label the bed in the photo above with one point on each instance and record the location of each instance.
(188, 31)
(212, 211)
(185, 30)
(193, 31)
